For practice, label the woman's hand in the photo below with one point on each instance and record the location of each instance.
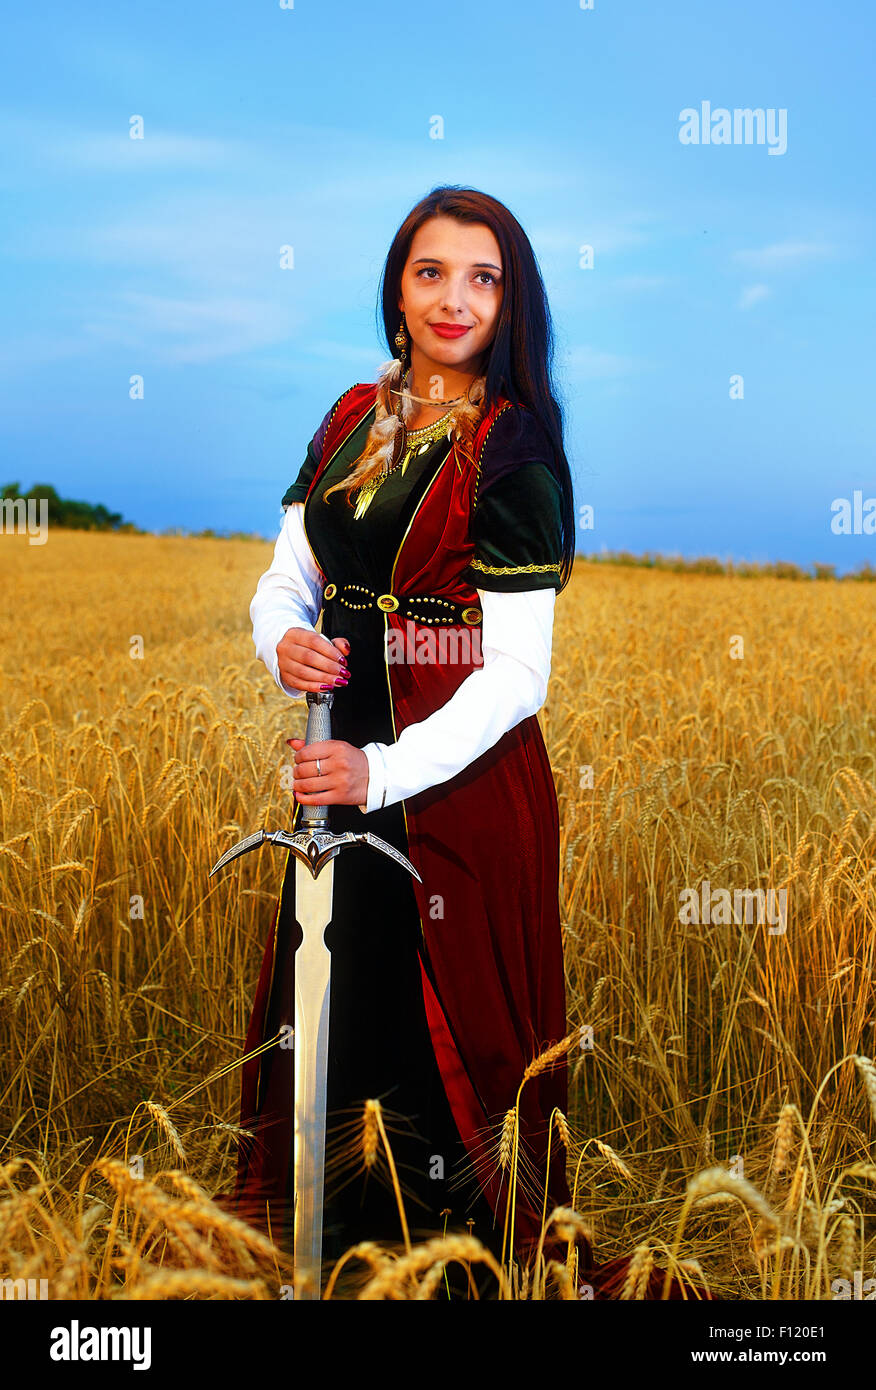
(309, 661)
(344, 768)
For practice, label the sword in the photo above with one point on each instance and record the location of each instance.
(315, 848)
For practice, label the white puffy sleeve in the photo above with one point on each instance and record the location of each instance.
(289, 594)
(512, 684)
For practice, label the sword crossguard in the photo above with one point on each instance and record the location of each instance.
(315, 847)
(315, 844)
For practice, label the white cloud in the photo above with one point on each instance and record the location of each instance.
(371, 358)
(59, 144)
(637, 284)
(783, 254)
(607, 237)
(753, 294)
(209, 238)
(219, 241)
(33, 349)
(190, 330)
(590, 364)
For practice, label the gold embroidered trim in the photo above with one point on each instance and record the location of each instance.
(343, 397)
(512, 569)
(500, 411)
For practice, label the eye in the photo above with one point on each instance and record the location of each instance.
(492, 279)
(425, 269)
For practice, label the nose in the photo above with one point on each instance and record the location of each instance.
(453, 301)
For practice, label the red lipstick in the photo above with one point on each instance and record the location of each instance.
(449, 330)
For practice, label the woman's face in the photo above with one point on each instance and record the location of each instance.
(452, 277)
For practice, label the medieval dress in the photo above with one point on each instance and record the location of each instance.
(442, 991)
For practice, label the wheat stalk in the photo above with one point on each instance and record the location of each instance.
(718, 1180)
(506, 1140)
(370, 1134)
(391, 1281)
(784, 1139)
(615, 1161)
(867, 1072)
(846, 1258)
(366, 1250)
(182, 1283)
(563, 1130)
(165, 1124)
(559, 1272)
(550, 1055)
(636, 1283)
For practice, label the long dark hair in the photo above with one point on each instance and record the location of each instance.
(519, 360)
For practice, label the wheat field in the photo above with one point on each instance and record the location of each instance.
(703, 729)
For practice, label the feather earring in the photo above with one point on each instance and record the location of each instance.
(468, 416)
(389, 426)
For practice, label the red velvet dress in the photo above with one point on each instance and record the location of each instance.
(435, 1012)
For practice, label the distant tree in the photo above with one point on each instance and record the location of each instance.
(66, 512)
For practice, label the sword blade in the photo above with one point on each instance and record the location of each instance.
(313, 963)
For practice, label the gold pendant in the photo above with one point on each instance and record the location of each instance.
(364, 502)
(368, 490)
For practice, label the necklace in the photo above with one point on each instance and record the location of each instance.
(415, 443)
(423, 400)
(430, 430)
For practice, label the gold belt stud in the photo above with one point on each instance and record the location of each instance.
(471, 616)
(388, 603)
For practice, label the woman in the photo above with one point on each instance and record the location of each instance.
(432, 523)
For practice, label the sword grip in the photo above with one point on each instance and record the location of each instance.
(319, 727)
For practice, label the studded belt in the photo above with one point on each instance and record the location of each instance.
(422, 608)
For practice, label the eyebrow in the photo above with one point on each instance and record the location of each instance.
(477, 265)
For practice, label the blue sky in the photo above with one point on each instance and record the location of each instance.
(267, 126)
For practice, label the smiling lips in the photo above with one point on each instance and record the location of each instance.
(449, 330)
